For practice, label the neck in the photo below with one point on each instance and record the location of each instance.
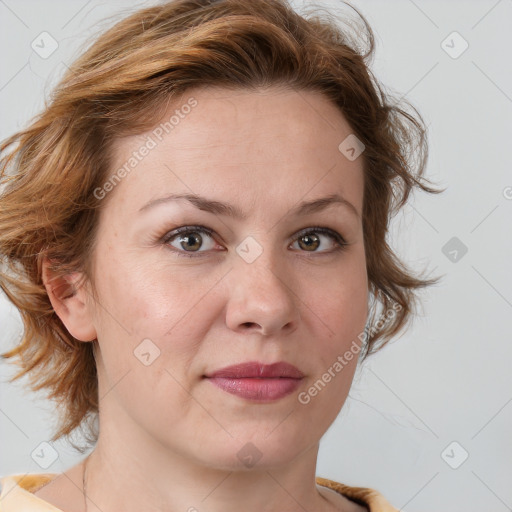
(162, 481)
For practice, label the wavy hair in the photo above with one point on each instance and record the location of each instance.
(49, 170)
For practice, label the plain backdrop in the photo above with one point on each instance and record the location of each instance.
(428, 419)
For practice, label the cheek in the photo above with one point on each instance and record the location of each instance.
(144, 299)
(342, 300)
(342, 306)
(140, 301)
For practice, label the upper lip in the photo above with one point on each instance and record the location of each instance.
(255, 369)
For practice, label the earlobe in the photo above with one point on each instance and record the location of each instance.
(69, 302)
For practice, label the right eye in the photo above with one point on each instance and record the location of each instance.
(189, 237)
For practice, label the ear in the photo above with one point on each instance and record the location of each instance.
(70, 303)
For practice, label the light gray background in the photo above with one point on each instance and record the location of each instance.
(448, 378)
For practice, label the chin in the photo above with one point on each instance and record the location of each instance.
(256, 451)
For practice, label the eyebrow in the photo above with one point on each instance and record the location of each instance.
(219, 208)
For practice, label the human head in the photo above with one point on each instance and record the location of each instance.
(117, 88)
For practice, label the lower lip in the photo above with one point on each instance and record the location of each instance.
(257, 389)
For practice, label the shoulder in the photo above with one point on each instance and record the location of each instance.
(372, 499)
(29, 482)
(16, 493)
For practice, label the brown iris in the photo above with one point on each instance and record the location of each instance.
(311, 241)
(191, 237)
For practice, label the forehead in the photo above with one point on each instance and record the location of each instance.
(273, 142)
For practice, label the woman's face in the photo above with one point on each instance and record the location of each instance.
(263, 285)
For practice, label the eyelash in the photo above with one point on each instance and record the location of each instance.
(185, 230)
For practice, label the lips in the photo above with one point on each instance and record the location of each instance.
(257, 381)
(259, 370)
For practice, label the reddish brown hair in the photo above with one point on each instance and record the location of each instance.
(117, 87)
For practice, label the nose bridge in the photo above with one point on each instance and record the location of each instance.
(260, 294)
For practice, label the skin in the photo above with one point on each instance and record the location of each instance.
(168, 437)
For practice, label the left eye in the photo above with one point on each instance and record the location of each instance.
(311, 239)
(191, 240)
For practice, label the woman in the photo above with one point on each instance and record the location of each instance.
(203, 261)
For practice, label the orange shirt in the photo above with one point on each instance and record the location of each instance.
(16, 494)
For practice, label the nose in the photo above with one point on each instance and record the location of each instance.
(261, 300)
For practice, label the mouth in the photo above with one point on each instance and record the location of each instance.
(257, 381)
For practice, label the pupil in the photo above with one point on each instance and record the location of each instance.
(187, 240)
(310, 241)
